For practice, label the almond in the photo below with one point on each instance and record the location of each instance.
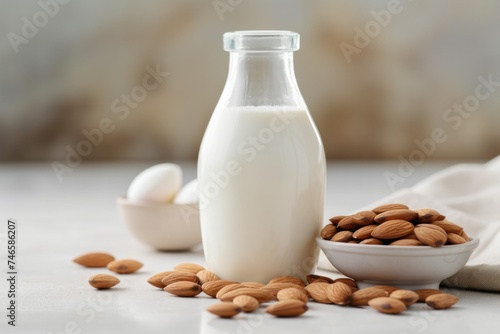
(408, 297)
(393, 229)
(426, 216)
(274, 288)
(192, 268)
(387, 288)
(364, 218)
(336, 219)
(389, 207)
(288, 279)
(464, 235)
(124, 266)
(449, 227)
(183, 289)
(406, 242)
(339, 293)
(103, 281)
(94, 260)
(398, 214)
(364, 232)
(349, 281)
(328, 231)
(292, 293)
(441, 301)
(179, 276)
(363, 296)
(224, 309)
(261, 295)
(430, 237)
(247, 303)
(433, 226)
(287, 308)
(387, 305)
(255, 285)
(424, 293)
(455, 239)
(227, 288)
(211, 288)
(318, 278)
(372, 241)
(155, 280)
(317, 291)
(342, 236)
(205, 276)
(348, 223)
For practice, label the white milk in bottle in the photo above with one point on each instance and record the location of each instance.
(261, 167)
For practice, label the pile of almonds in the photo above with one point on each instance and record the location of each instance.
(291, 293)
(395, 225)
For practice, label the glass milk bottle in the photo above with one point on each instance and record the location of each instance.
(261, 167)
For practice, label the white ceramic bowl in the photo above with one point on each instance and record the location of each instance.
(163, 226)
(409, 267)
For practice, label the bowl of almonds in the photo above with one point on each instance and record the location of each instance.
(394, 245)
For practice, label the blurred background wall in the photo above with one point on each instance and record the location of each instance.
(376, 85)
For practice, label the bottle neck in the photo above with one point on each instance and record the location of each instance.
(261, 79)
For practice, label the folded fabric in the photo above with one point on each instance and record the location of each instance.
(469, 195)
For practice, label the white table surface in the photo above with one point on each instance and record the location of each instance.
(60, 220)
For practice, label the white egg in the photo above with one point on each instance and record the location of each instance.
(158, 183)
(188, 194)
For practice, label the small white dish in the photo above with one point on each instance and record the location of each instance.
(163, 226)
(408, 267)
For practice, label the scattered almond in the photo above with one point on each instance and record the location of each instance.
(441, 301)
(224, 309)
(387, 305)
(424, 293)
(189, 268)
(255, 285)
(183, 289)
(363, 296)
(205, 276)
(261, 295)
(292, 293)
(211, 288)
(179, 276)
(387, 288)
(94, 260)
(287, 308)
(408, 297)
(124, 266)
(318, 278)
(339, 293)
(287, 279)
(103, 281)
(274, 288)
(247, 303)
(317, 291)
(227, 288)
(155, 280)
(349, 281)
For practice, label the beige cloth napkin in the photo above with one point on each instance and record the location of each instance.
(469, 195)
